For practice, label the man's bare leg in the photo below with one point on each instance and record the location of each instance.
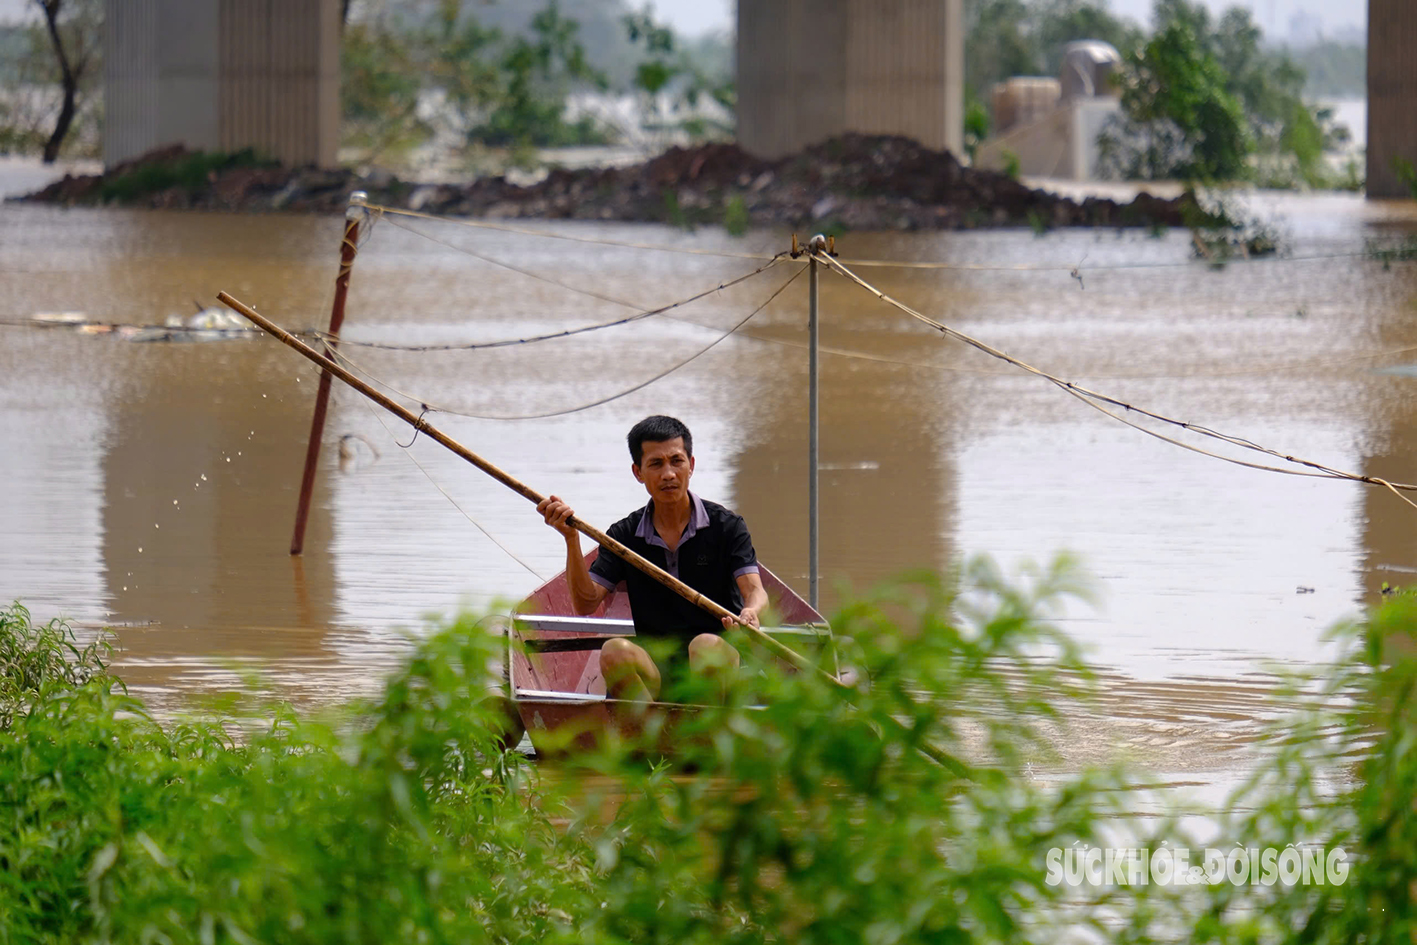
(713, 657)
(629, 672)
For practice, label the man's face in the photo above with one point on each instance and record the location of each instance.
(665, 468)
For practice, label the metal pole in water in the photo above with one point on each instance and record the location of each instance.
(816, 244)
(348, 248)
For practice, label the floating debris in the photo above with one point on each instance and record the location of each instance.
(210, 324)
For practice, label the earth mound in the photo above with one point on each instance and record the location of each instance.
(852, 182)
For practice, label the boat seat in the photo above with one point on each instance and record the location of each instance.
(606, 628)
(565, 645)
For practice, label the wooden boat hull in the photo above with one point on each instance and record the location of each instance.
(554, 666)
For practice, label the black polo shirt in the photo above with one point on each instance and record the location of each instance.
(714, 551)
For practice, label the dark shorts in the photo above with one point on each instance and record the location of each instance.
(673, 667)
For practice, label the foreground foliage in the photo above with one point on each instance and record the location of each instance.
(791, 813)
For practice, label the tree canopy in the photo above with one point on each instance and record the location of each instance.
(1206, 99)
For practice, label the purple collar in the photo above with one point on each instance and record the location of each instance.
(697, 519)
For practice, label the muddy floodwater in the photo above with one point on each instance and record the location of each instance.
(150, 486)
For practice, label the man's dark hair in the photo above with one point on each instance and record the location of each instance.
(657, 429)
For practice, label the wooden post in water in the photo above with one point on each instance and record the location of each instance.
(818, 244)
(812, 445)
(348, 248)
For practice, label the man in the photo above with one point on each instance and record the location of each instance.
(701, 543)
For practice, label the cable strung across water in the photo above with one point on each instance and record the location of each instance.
(528, 231)
(348, 362)
(567, 333)
(447, 495)
(517, 269)
(1062, 267)
(1072, 268)
(1097, 400)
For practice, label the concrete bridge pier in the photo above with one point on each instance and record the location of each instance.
(812, 69)
(1392, 94)
(222, 75)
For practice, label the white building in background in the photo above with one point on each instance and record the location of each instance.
(1049, 127)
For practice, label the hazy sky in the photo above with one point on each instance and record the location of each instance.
(696, 16)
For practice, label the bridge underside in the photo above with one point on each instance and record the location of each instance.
(222, 75)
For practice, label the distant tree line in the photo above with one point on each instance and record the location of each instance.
(1333, 69)
(499, 75)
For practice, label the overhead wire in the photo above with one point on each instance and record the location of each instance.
(1093, 398)
(407, 451)
(567, 333)
(1063, 267)
(502, 264)
(1071, 268)
(595, 241)
(1097, 400)
(1277, 368)
(366, 231)
(354, 366)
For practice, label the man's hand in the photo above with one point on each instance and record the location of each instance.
(755, 600)
(749, 615)
(557, 514)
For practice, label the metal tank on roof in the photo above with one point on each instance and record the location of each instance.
(1087, 68)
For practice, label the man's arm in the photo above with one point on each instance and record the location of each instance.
(586, 594)
(755, 599)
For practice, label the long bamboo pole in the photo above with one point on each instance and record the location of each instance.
(595, 534)
(521, 488)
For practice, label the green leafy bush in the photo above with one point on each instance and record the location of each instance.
(114, 828)
(906, 810)
(38, 661)
(190, 170)
(816, 818)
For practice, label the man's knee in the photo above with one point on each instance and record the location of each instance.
(709, 650)
(618, 651)
(620, 658)
(628, 670)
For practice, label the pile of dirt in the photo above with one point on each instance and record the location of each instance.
(854, 182)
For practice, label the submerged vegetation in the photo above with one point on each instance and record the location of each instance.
(791, 813)
(174, 168)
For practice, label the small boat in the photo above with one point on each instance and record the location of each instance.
(554, 664)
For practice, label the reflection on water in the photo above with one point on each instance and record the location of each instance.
(152, 486)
